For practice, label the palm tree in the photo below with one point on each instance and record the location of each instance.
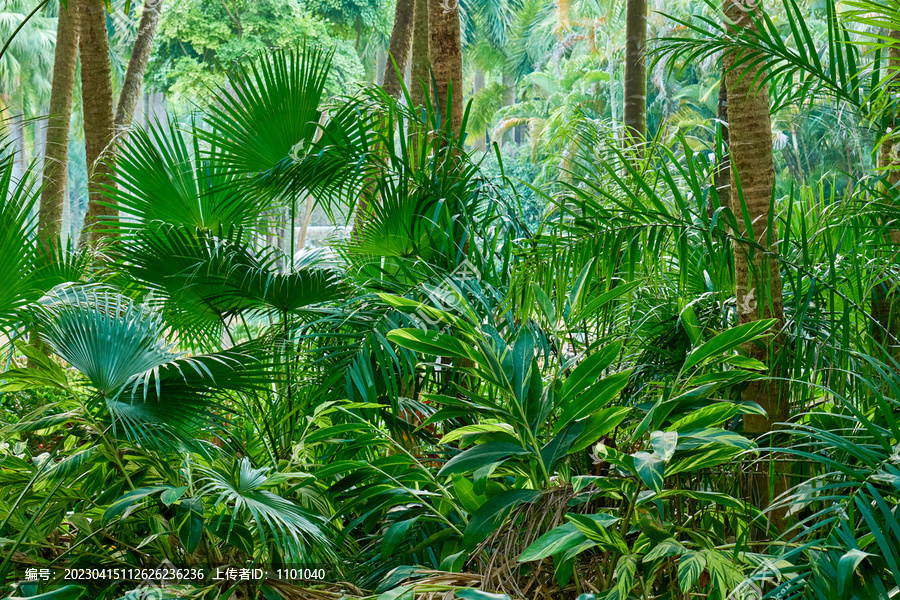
(421, 62)
(445, 50)
(56, 158)
(757, 275)
(99, 120)
(401, 42)
(137, 64)
(886, 296)
(635, 114)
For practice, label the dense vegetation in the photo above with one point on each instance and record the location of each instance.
(617, 353)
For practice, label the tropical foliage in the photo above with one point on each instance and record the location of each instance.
(466, 396)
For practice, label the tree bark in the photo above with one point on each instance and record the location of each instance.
(445, 50)
(99, 123)
(757, 275)
(56, 157)
(722, 177)
(137, 65)
(886, 295)
(401, 40)
(635, 111)
(421, 64)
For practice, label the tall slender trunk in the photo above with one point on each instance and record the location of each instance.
(56, 157)
(401, 40)
(421, 64)
(137, 65)
(635, 112)
(722, 176)
(99, 123)
(757, 276)
(886, 295)
(445, 50)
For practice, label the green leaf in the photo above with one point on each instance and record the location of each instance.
(708, 416)
(667, 547)
(588, 372)
(67, 592)
(480, 455)
(404, 592)
(727, 341)
(596, 528)
(464, 491)
(170, 496)
(664, 444)
(124, 503)
(626, 569)
(651, 469)
(494, 512)
(697, 437)
(599, 424)
(704, 460)
(479, 595)
(189, 523)
(557, 540)
(593, 399)
(431, 342)
(847, 566)
(690, 566)
(394, 535)
(475, 429)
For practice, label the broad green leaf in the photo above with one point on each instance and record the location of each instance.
(594, 398)
(479, 595)
(394, 535)
(595, 526)
(690, 566)
(404, 592)
(703, 460)
(170, 496)
(847, 566)
(667, 547)
(479, 455)
(588, 371)
(431, 342)
(664, 444)
(626, 569)
(494, 512)
(559, 539)
(464, 490)
(189, 523)
(714, 497)
(727, 341)
(474, 429)
(708, 416)
(697, 437)
(651, 469)
(122, 504)
(599, 424)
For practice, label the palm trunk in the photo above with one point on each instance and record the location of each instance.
(56, 157)
(421, 64)
(722, 175)
(886, 295)
(635, 112)
(137, 65)
(401, 40)
(757, 276)
(99, 124)
(445, 50)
